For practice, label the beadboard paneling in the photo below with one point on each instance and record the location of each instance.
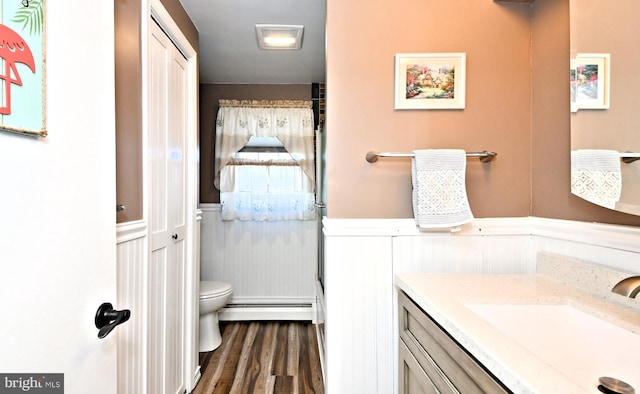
(358, 302)
(448, 253)
(265, 262)
(131, 255)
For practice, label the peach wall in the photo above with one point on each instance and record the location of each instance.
(128, 91)
(517, 105)
(361, 44)
(128, 78)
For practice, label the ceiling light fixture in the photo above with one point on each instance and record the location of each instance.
(279, 36)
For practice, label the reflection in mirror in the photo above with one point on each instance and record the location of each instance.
(605, 110)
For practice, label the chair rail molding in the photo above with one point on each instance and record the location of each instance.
(130, 230)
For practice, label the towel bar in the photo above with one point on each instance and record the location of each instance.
(629, 157)
(484, 156)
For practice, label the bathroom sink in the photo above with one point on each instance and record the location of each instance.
(580, 345)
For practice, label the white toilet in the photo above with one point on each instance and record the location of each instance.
(213, 296)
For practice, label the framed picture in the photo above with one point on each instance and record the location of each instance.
(592, 80)
(22, 74)
(430, 80)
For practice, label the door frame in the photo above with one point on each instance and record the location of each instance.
(153, 10)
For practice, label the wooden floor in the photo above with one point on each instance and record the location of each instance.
(263, 357)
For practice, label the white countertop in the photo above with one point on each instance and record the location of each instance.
(447, 297)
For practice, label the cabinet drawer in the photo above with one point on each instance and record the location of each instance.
(451, 368)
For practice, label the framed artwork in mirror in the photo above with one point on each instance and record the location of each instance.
(573, 85)
(591, 81)
(430, 80)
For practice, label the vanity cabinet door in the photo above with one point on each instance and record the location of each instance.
(413, 379)
(449, 367)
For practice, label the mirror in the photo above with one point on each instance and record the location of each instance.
(605, 110)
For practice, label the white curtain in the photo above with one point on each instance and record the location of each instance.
(277, 191)
(265, 191)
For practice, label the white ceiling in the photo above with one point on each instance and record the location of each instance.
(229, 51)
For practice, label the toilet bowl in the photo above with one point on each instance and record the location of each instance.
(213, 296)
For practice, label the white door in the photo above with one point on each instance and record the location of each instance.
(57, 220)
(167, 139)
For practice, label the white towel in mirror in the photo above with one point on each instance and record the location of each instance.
(596, 176)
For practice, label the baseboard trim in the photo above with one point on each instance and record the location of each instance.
(196, 377)
(319, 325)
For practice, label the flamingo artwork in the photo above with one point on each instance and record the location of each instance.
(13, 50)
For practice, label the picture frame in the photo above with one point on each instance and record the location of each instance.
(430, 80)
(23, 86)
(592, 73)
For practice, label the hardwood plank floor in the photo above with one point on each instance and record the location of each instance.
(263, 357)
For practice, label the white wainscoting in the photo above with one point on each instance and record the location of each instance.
(134, 366)
(361, 256)
(132, 251)
(271, 265)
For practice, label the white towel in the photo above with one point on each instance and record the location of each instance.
(596, 177)
(439, 192)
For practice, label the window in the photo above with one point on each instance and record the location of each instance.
(264, 163)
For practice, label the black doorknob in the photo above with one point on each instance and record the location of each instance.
(108, 318)
(174, 236)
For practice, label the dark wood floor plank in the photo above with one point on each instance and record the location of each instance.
(259, 360)
(282, 351)
(263, 357)
(315, 367)
(307, 377)
(268, 380)
(228, 362)
(218, 368)
(243, 363)
(284, 385)
(293, 355)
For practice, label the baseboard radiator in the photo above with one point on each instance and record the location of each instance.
(253, 312)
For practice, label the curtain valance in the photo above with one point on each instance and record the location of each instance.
(265, 103)
(291, 122)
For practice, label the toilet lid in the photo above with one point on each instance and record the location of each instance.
(213, 288)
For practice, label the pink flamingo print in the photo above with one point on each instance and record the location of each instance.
(13, 49)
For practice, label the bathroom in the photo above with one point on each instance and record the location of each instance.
(530, 178)
(512, 108)
(529, 131)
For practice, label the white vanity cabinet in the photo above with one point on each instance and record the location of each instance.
(430, 361)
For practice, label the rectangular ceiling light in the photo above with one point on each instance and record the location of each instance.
(279, 36)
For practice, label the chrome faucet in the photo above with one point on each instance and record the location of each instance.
(628, 287)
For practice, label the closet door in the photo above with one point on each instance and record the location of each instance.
(167, 214)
